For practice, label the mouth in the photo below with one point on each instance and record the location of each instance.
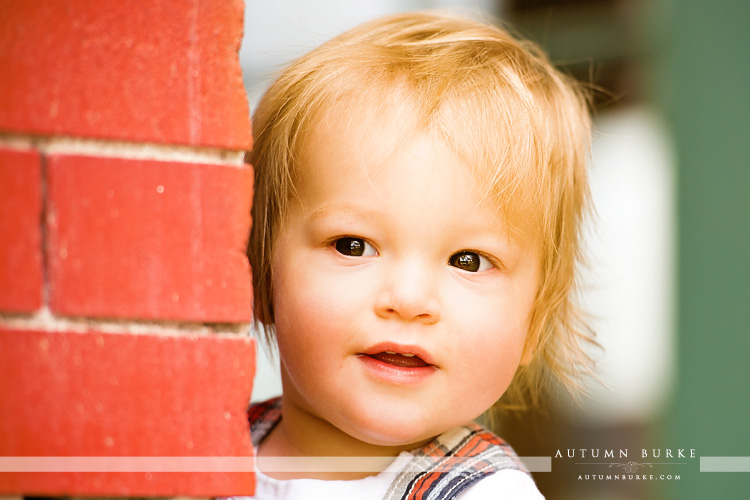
(399, 364)
(401, 360)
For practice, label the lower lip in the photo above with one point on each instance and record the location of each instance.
(396, 374)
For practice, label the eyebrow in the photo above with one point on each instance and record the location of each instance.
(500, 235)
(342, 208)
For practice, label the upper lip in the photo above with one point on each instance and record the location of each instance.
(401, 349)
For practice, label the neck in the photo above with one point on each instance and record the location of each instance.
(302, 434)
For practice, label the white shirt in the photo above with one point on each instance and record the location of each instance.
(506, 484)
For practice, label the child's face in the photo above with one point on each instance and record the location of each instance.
(396, 253)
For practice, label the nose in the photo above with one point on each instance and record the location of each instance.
(409, 292)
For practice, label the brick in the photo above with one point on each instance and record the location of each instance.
(21, 274)
(120, 395)
(163, 71)
(148, 239)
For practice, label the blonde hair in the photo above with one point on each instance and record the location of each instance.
(497, 102)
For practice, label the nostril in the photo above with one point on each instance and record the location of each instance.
(427, 318)
(409, 307)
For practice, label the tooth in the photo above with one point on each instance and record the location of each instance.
(390, 352)
(407, 355)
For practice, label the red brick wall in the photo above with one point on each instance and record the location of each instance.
(124, 214)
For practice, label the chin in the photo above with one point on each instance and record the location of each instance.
(401, 430)
(396, 437)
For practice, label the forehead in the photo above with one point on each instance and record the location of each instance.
(374, 122)
(364, 145)
(367, 129)
(380, 157)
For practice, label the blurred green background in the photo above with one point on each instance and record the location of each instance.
(703, 88)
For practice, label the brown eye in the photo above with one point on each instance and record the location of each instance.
(470, 261)
(466, 261)
(353, 247)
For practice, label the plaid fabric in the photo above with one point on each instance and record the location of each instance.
(440, 470)
(263, 417)
(451, 463)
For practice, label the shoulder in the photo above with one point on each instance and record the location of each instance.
(264, 410)
(467, 462)
(503, 484)
(476, 442)
(263, 417)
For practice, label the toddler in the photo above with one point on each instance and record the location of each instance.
(420, 182)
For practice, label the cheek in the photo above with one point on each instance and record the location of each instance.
(495, 356)
(301, 325)
(489, 368)
(303, 298)
(314, 305)
(491, 336)
(496, 316)
(313, 318)
(300, 313)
